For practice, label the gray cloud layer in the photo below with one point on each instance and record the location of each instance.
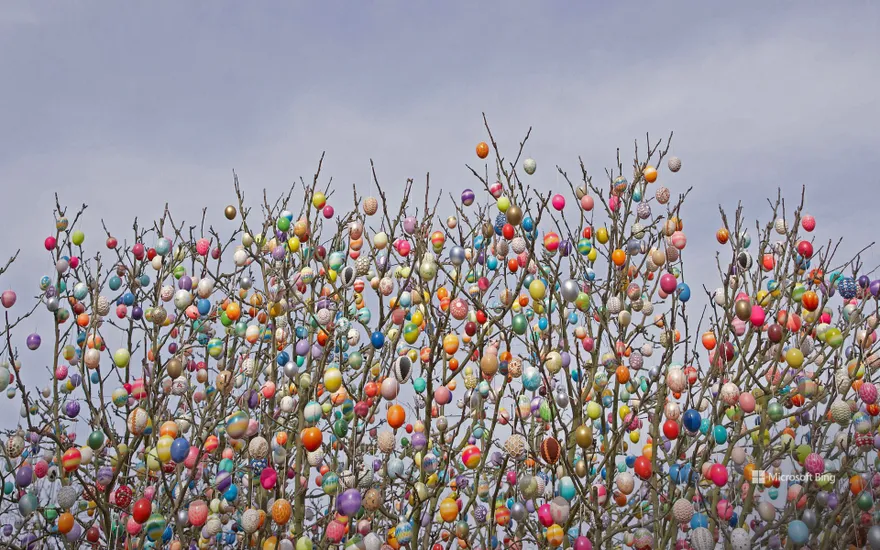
(126, 107)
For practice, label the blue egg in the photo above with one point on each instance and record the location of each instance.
(674, 472)
(704, 426)
(231, 494)
(128, 298)
(528, 223)
(377, 339)
(179, 449)
(720, 434)
(699, 520)
(692, 420)
(684, 292)
(798, 532)
(686, 473)
(566, 488)
(631, 461)
(114, 283)
(282, 358)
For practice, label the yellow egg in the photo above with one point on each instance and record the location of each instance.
(163, 448)
(602, 235)
(332, 379)
(537, 289)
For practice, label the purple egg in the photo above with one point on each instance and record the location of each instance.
(467, 197)
(278, 253)
(864, 281)
(24, 475)
(137, 313)
(302, 347)
(875, 288)
(33, 341)
(317, 351)
(377, 465)
(185, 283)
(409, 225)
(223, 481)
(419, 441)
(349, 502)
(75, 533)
(71, 409)
(565, 247)
(105, 475)
(833, 500)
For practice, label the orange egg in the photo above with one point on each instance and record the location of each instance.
(233, 311)
(311, 438)
(618, 257)
(65, 522)
(810, 300)
(482, 150)
(709, 340)
(650, 174)
(722, 235)
(396, 416)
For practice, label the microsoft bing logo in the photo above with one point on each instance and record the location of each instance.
(763, 477)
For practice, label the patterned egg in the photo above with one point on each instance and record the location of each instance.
(550, 450)
(138, 419)
(470, 456)
(237, 424)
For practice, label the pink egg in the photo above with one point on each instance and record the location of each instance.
(747, 402)
(442, 395)
(268, 478)
(132, 527)
(614, 203)
(7, 299)
(50, 243)
(198, 513)
(544, 515)
(718, 474)
(558, 202)
(808, 223)
(758, 316)
(327, 211)
(587, 202)
(668, 283)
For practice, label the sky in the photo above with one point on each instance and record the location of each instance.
(128, 106)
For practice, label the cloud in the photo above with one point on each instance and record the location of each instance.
(128, 111)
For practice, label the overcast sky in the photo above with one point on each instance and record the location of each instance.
(127, 106)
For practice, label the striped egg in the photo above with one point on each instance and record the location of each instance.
(470, 456)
